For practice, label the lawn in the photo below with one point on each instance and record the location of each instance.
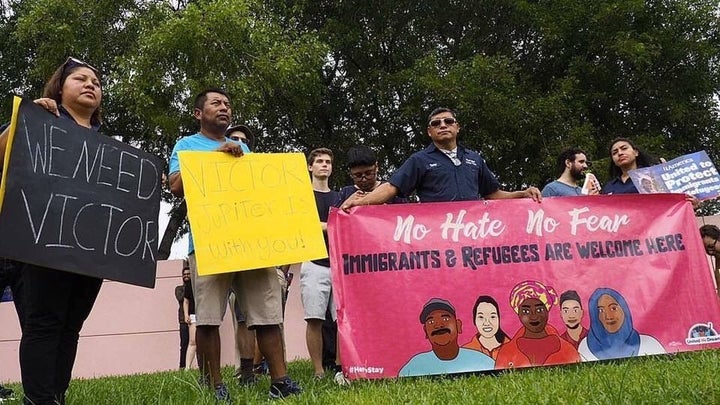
(682, 379)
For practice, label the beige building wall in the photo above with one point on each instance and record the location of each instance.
(135, 330)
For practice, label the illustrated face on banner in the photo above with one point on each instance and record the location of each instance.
(612, 315)
(571, 313)
(442, 328)
(487, 320)
(533, 315)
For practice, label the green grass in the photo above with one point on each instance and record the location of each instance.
(686, 378)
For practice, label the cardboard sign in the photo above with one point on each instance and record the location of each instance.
(250, 212)
(78, 201)
(473, 286)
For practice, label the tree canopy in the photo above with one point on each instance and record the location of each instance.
(527, 78)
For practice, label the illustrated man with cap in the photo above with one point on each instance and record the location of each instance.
(446, 357)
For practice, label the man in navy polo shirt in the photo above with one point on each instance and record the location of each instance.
(444, 171)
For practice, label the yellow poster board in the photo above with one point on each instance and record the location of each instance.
(10, 137)
(250, 212)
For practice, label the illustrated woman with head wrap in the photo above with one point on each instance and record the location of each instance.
(612, 334)
(536, 343)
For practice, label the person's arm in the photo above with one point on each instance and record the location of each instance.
(186, 310)
(530, 192)
(384, 193)
(176, 185)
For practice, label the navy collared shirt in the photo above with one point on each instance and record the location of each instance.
(433, 175)
(617, 186)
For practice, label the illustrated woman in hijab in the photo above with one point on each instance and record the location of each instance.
(612, 334)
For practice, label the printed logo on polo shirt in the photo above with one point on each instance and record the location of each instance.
(431, 165)
(470, 162)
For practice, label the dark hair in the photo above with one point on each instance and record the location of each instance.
(500, 336)
(440, 110)
(201, 98)
(570, 295)
(54, 85)
(710, 231)
(361, 156)
(186, 265)
(567, 154)
(643, 158)
(317, 152)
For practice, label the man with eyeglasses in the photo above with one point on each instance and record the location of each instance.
(444, 171)
(710, 235)
(241, 133)
(363, 167)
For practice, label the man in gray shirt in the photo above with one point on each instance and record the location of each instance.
(571, 165)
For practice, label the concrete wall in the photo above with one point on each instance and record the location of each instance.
(135, 330)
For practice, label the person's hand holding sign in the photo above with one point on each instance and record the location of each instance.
(231, 148)
(48, 104)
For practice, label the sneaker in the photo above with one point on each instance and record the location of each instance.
(248, 381)
(6, 394)
(340, 379)
(261, 368)
(284, 388)
(222, 394)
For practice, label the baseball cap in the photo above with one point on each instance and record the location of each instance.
(250, 136)
(433, 305)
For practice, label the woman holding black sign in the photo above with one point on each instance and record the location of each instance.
(56, 303)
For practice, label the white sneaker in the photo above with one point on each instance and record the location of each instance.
(340, 379)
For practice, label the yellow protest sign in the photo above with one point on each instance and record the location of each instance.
(254, 211)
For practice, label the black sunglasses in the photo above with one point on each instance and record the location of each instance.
(446, 120)
(75, 62)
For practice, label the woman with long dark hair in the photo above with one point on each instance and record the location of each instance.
(56, 303)
(490, 336)
(625, 157)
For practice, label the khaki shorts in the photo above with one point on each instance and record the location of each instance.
(239, 316)
(257, 292)
(316, 291)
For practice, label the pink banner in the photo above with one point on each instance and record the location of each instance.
(443, 288)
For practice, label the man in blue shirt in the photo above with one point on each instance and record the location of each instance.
(442, 328)
(444, 171)
(258, 290)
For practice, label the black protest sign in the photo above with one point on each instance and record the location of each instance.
(79, 201)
